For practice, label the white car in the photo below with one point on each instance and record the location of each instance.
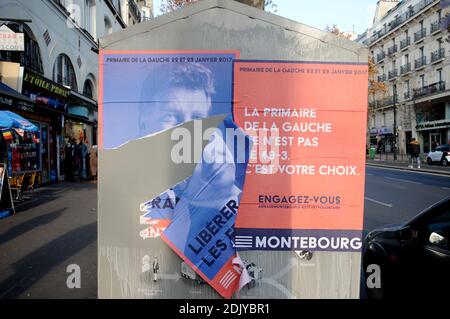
(440, 155)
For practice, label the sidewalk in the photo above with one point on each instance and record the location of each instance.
(402, 164)
(54, 228)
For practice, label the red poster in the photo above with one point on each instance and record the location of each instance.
(304, 187)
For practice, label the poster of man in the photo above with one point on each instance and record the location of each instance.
(160, 90)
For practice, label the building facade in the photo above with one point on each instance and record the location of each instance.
(58, 73)
(409, 45)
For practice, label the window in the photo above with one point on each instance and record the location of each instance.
(384, 120)
(64, 73)
(439, 75)
(89, 16)
(422, 81)
(108, 25)
(421, 52)
(87, 89)
(440, 224)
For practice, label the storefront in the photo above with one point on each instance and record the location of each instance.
(383, 138)
(79, 131)
(23, 148)
(433, 125)
(433, 134)
(50, 106)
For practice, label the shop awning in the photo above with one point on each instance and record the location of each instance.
(5, 90)
(10, 120)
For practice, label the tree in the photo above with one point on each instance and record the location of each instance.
(335, 30)
(172, 5)
(375, 88)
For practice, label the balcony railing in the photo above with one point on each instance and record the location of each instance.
(393, 49)
(381, 56)
(435, 26)
(430, 89)
(397, 21)
(392, 74)
(389, 100)
(437, 55)
(405, 68)
(405, 43)
(382, 78)
(419, 35)
(420, 62)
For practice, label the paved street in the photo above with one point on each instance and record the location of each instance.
(394, 196)
(56, 228)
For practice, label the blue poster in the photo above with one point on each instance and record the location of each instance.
(159, 90)
(202, 228)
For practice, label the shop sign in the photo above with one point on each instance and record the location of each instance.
(434, 124)
(385, 131)
(10, 40)
(25, 106)
(45, 91)
(6, 101)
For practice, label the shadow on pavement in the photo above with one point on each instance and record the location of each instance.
(30, 225)
(31, 268)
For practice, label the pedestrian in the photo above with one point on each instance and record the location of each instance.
(69, 160)
(413, 149)
(155, 267)
(81, 151)
(93, 161)
(434, 145)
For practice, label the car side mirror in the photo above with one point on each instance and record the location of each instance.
(406, 234)
(438, 240)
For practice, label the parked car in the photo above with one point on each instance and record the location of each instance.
(440, 155)
(414, 258)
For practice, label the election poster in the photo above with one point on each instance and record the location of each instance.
(304, 187)
(184, 234)
(159, 90)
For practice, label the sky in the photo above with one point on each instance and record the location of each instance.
(348, 15)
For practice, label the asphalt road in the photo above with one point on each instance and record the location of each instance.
(394, 196)
(59, 228)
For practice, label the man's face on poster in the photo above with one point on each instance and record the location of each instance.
(182, 105)
(170, 100)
